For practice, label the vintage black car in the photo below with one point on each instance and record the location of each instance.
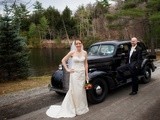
(103, 59)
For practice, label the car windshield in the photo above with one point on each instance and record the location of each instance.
(101, 50)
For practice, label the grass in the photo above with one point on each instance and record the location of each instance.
(31, 82)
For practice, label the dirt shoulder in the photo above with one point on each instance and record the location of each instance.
(18, 85)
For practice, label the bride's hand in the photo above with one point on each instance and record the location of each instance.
(70, 70)
(87, 79)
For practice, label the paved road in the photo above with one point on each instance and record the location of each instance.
(117, 106)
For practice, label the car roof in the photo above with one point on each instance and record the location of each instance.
(114, 42)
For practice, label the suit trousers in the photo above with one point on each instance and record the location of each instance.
(134, 74)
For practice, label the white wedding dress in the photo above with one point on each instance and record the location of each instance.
(75, 101)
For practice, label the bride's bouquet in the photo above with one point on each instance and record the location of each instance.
(88, 85)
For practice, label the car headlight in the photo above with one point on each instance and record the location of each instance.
(60, 67)
(92, 69)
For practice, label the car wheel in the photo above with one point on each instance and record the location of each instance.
(147, 74)
(99, 91)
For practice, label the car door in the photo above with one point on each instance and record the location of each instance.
(121, 57)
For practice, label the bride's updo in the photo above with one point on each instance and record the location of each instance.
(77, 40)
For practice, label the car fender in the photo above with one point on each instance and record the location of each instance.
(58, 75)
(106, 76)
(144, 63)
(149, 63)
(56, 79)
(95, 74)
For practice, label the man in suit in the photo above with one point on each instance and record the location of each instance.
(133, 65)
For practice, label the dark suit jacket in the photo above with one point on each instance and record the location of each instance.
(136, 58)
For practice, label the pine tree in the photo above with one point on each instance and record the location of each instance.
(13, 50)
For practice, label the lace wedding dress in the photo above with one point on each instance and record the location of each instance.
(75, 101)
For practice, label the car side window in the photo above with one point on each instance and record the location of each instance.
(93, 50)
(126, 48)
(123, 48)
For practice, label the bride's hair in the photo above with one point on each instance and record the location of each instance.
(77, 40)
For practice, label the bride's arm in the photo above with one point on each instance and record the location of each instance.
(86, 67)
(65, 59)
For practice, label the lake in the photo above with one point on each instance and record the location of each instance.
(45, 61)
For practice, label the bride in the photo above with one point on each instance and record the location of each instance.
(75, 101)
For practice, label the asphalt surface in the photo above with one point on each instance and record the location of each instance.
(118, 105)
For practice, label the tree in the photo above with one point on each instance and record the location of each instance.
(153, 14)
(68, 23)
(101, 9)
(13, 50)
(38, 7)
(83, 21)
(43, 26)
(37, 13)
(33, 39)
(54, 22)
(20, 12)
(143, 14)
(66, 16)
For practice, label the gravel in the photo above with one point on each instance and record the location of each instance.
(10, 98)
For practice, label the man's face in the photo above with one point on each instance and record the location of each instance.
(133, 42)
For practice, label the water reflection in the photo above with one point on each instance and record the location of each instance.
(45, 61)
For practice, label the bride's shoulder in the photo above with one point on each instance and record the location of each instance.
(72, 52)
(84, 52)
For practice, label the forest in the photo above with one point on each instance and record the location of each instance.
(93, 22)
